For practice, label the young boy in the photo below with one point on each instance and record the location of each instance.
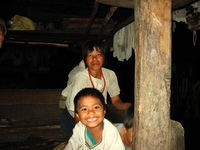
(93, 131)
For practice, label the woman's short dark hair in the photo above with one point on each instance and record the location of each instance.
(128, 118)
(89, 46)
(88, 92)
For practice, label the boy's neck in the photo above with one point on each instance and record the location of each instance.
(96, 133)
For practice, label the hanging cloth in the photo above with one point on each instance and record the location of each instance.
(123, 42)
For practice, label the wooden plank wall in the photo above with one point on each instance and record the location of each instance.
(30, 111)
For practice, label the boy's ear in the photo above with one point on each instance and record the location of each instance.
(76, 115)
(104, 112)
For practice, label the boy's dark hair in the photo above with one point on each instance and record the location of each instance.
(128, 118)
(89, 92)
(89, 46)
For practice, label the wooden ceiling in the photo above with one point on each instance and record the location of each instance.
(73, 20)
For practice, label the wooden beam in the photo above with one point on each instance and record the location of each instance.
(119, 26)
(176, 4)
(28, 129)
(38, 43)
(91, 19)
(152, 74)
(36, 96)
(107, 18)
(130, 3)
(118, 3)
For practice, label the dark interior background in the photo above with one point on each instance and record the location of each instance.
(24, 66)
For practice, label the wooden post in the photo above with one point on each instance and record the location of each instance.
(152, 74)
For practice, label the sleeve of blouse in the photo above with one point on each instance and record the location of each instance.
(113, 87)
(66, 91)
(79, 82)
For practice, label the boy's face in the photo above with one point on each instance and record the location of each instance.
(95, 59)
(90, 112)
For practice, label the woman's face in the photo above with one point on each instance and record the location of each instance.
(95, 59)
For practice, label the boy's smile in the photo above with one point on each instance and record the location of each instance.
(92, 119)
(90, 112)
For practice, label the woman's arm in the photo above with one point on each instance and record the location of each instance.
(118, 103)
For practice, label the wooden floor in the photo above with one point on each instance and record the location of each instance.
(32, 144)
(192, 140)
(35, 140)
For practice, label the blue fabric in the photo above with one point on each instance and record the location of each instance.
(67, 123)
(119, 126)
(89, 135)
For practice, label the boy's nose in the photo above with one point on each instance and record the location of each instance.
(91, 112)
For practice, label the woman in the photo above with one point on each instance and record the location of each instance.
(93, 75)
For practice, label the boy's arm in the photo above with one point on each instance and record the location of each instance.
(72, 144)
(76, 142)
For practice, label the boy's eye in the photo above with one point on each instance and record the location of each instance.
(96, 107)
(84, 109)
(89, 55)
